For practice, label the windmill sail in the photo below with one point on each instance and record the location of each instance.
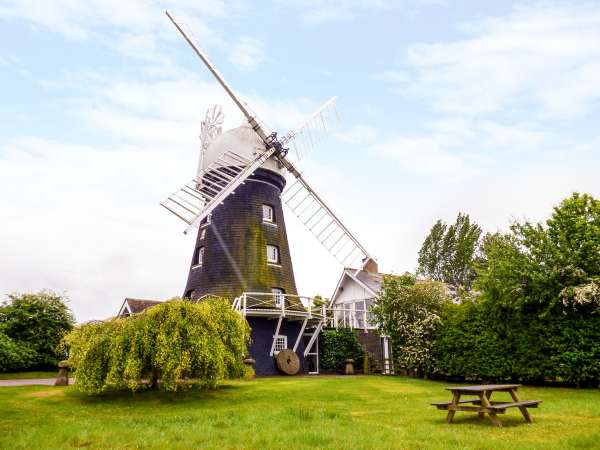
(321, 221)
(223, 176)
(308, 134)
(198, 198)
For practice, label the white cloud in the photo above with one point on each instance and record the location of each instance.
(358, 134)
(86, 220)
(138, 29)
(458, 146)
(542, 56)
(318, 11)
(247, 53)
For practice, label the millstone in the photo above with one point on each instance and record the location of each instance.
(288, 362)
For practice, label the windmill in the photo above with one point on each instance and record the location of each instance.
(241, 249)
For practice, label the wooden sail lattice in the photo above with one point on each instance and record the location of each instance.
(315, 215)
(196, 199)
(210, 188)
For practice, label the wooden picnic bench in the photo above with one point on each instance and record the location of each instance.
(483, 405)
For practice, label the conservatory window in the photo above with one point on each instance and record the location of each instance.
(272, 254)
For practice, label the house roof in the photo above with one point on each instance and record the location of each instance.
(136, 305)
(369, 280)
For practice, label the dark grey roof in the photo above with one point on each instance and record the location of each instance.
(371, 280)
(137, 305)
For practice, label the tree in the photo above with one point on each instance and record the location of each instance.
(15, 355)
(173, 344)
(448, 253)
(407, 311)
(547, 268)
(36, 322)
(339, 345)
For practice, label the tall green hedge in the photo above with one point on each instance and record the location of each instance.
(536, 315)
(166, 346)
(336, 346)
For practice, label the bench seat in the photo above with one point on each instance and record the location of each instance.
(444, 405)
(524, 403)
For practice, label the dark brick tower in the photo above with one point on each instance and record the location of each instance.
(243, 247)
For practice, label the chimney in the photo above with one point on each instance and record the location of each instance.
(370, 265)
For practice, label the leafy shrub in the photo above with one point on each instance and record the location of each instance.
(35, 323)
(172, 342)
(537, 315)
(337, 346)
(15, 355)
(408, 311)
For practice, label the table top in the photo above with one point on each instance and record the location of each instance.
(484, 387)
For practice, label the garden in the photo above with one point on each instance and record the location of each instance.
(517, 307)
(303, 412)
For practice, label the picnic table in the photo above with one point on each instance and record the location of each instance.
(482, 404)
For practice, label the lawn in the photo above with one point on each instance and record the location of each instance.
(288, 413)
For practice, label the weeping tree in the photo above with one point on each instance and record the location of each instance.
(170, 346)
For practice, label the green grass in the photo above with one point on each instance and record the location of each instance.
(25, 375)
(288, 413)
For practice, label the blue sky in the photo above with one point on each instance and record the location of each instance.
(490, 108)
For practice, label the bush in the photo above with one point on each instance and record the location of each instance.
(537, 317)
(407, 311)
(35, 323)
(172, 342)
(15, 355)
(337, 346)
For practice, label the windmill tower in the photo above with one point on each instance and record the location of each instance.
(241, 250)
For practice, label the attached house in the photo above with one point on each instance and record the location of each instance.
(135, 305)
(355, 293)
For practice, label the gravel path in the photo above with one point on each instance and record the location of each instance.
(29, 382)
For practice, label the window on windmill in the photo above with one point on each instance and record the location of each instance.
(199, 257)
(280, 343)
(203, 233)
(206, 220)
(272, 254)
(278, 296)
(268, 213)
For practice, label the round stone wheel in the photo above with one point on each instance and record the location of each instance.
(288, 362)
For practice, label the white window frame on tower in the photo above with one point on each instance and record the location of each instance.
(278, 296)
(272, 254)
(199, 257)
(202, 233)
(280, 343)
(268, 214)
(206, 221)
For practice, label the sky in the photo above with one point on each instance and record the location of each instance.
(487, 108)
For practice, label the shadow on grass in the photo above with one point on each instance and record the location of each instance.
(474, 420)
(145, 395)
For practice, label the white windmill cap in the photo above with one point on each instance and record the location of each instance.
(245, 142)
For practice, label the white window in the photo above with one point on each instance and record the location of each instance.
(268, 213)
(206, 220)
(199, 257)
(272, 254)
(280, 343)
(278, 297)
(202, 233)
